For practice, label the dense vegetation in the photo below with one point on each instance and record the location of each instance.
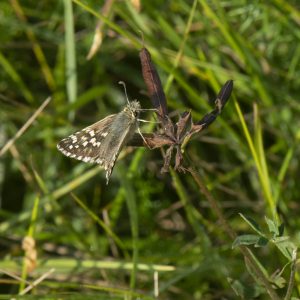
(229, 229)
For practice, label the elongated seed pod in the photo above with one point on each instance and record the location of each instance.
(153, 83)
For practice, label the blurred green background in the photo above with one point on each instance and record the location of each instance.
(147, 233)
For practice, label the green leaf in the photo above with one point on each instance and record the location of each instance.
(244, 290)
(285, 246)
(237, 286)
(280, 239)
(272, 226)
(246, 239)
(252, 224)
(279, 281)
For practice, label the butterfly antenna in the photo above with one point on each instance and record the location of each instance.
(124, 85)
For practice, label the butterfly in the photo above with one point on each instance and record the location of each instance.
(103, 141)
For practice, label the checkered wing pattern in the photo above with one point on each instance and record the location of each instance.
(85, 145)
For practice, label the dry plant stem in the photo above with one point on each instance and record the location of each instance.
(14, 276)
(24, 170)
(231, 233)
(24, 127)
(98, 36)
(156, 288)
(113, 246)
(36, 282)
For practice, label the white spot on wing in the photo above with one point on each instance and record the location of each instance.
(86, 159)
(74, 138)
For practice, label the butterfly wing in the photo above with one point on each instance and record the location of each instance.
(85, 144)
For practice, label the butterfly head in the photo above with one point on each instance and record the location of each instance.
(133, 108)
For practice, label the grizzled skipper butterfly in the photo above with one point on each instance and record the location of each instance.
(103, 141)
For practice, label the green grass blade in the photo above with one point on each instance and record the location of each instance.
(71, 72)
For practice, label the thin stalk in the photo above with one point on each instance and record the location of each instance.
(289, 292)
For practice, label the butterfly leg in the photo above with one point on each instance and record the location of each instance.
(148, 109)
(145, 121)
(139, 131)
